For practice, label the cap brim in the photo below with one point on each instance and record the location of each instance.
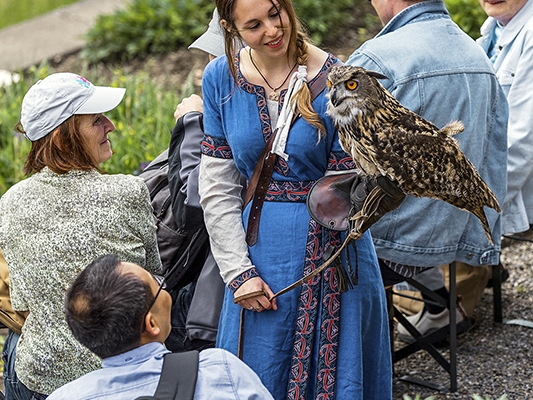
(103, 99)
(209, 42)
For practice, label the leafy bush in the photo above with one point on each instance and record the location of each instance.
(468, 14)
(325, 18)
(143, 122)
(157, 26)
(147, 27)
(13, 146)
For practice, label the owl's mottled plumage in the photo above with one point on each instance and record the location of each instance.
(385, 138)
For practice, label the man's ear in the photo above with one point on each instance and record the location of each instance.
(151, 326)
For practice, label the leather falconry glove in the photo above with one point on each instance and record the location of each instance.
(371, 199)
(351, 201)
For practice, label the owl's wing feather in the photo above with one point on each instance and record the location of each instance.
(430, 166)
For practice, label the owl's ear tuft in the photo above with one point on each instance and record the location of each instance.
(376, 75)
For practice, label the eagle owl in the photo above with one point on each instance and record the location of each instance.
(385, 138)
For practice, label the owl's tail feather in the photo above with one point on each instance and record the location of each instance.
(493, 201)
(453, 128)
(488, 197)
(480, 213)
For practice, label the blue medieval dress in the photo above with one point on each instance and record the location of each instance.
(319, 344)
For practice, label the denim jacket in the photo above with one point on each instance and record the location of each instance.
(514, 69)
(437, 71)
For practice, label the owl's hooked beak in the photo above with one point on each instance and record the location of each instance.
(333, 97)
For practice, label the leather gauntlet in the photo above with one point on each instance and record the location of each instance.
(371, 199)
(351, 201)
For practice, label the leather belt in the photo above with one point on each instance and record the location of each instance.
(259, 196)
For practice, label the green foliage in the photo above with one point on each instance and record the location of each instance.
(157, 26)
(15, 11)
(417, 397)
(324, 18)
(476, 397)
(468, 14)
(13, 146)
(147, 27)
(143, 122)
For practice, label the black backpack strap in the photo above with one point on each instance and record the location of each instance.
(178, 377)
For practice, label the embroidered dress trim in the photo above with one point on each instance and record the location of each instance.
(288, 191)
(245, 276)
(216, 147)
(322, 293)
(340, 161)
(260, 93)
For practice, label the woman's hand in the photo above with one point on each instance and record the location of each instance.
(255, 295)
(188, 104)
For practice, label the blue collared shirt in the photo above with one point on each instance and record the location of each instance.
(136, 373)
(437, 71)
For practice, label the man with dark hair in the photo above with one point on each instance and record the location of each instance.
(106, 327)
(121, 312)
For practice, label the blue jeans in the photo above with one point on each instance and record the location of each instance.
(13, 388)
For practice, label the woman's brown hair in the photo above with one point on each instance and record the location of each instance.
(62, 150)
(298, 40)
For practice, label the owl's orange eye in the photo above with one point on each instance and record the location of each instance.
(329, 84)
(351, 85)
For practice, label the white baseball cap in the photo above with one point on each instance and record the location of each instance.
(54, 99)
(212, 40)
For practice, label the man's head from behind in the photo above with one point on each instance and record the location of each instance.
(388, 9)
(110, 307)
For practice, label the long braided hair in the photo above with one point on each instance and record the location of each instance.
(298, 44)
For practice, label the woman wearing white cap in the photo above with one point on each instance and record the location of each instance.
(59, 220)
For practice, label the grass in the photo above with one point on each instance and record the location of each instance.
(15, 11)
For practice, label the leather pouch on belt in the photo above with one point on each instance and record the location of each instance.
(329, 202)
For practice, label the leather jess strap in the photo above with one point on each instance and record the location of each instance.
(258, 185)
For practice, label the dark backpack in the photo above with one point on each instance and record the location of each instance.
(181, 233)
(178, 377)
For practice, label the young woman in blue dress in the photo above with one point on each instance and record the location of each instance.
(312, 342)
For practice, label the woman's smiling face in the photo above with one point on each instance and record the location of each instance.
(502, 10)
(263, 26)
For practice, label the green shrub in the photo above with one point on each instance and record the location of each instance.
(325, 18)
(13, 146)
(147, 27)
(143, 122)
(468, 14)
